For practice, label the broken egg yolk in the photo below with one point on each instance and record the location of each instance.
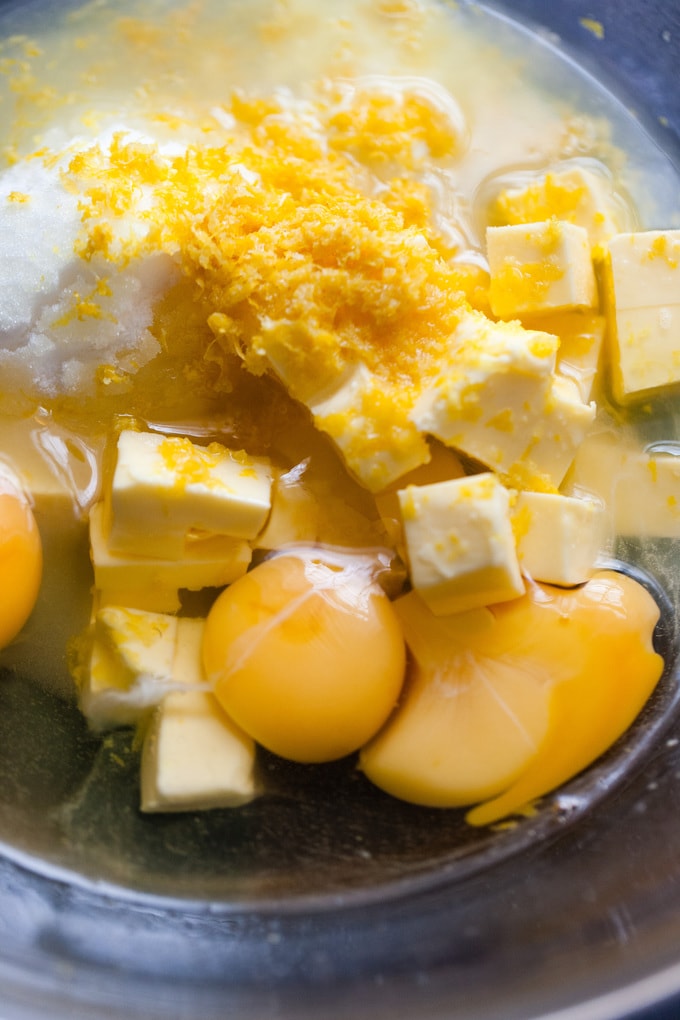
(502, 705)
(306, 655)
(20, 558)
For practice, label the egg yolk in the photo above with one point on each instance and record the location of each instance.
(20, 558)
(306, 655)
(504, 704)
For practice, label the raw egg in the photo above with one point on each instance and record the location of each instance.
(306, 654)
(20, 557)
(504, 704)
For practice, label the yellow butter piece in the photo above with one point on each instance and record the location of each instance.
(460, 543)
(581, 336)
(153, 583)
(540, 267)
(130, 665)
(643, 297)
(194, 757)
(572, 193)
(558, 537)
(557, 433)
(368, 419)
(165, 487)
(491, 391)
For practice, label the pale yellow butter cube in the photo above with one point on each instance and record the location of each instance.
(643, 291)
(640, 489)
(368, 420)
(573, 193)
(130, 665)
(558, 433)
(581, 336)
(166, 487)
(491, 392)
(559, 538)
(460, 543)
(307, 360)
(648, 350)
(152, 583)
(645, 268)
(540, 267)
(194, 757)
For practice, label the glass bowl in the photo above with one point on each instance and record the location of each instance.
(300, 905)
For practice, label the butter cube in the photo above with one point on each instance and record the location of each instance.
(307, 360)
(368, 420)
(581, 336)
(539, 267)
(643, 292)
(165, 487)
(130, 665)
(558, 537)
(557, 434)
(194, 757)
(348, 402)
(645, 268)
(460, 543)
(150, 583)
(571, 193)
(640, 488)
(492, 392)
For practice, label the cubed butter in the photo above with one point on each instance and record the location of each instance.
(640, 489)
(558, 537)
(308, 360)
(130, 665)
(573, 193)
(460, 543)
(368, 420)
(146, 582)
(165, 487)
(492, 391)
(540, 267)
(581, 336)
(348, 402)
(194, 757)
(557, 435)
(643, 296)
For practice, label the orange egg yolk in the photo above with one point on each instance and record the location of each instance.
(306, 655)
(504, 704)
(20, 559)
